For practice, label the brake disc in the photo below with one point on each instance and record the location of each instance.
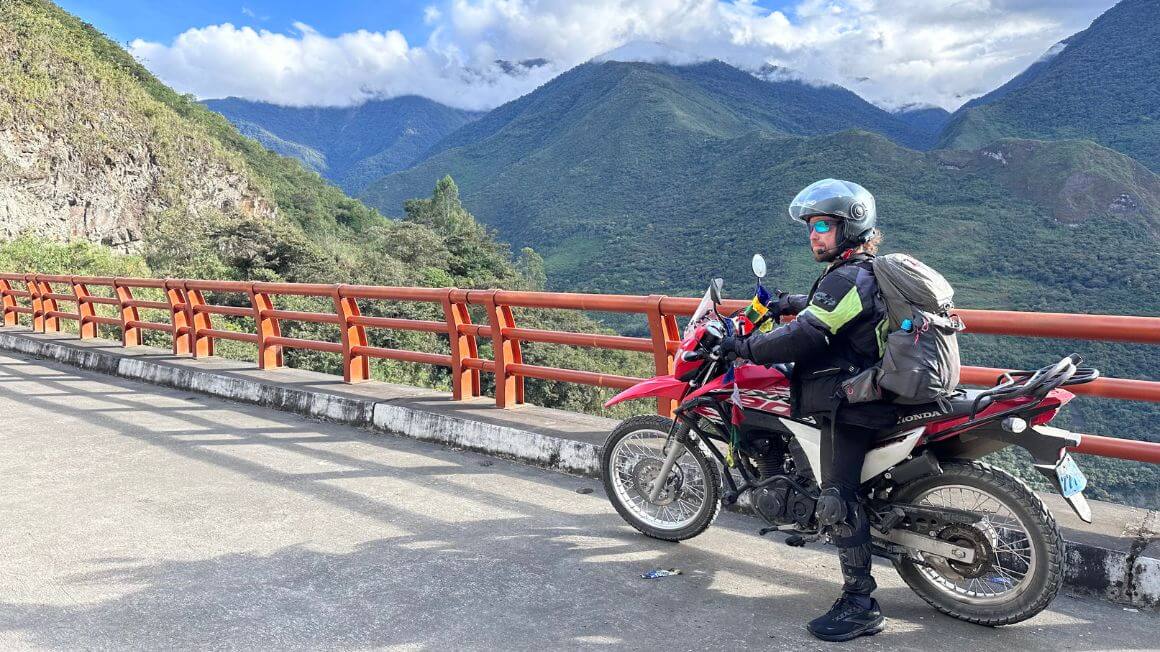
(645, 472)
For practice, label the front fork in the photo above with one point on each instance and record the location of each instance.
(666, 468)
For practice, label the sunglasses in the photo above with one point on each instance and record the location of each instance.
(823, 226)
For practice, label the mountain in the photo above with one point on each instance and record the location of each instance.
(93, 147)
(602, 119)
(350, 146)
(926, 120)
(1099, 84)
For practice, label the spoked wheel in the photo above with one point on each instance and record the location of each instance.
(689, 500)
(1018, 567)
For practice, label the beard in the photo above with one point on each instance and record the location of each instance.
(823, 255)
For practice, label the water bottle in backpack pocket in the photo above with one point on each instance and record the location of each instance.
(921, 364)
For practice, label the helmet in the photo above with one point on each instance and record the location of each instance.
(844, 200)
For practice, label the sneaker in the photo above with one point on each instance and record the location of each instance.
(846, 620)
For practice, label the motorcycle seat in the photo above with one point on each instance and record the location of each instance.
(912, 415)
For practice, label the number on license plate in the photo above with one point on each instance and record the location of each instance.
(1071, 479)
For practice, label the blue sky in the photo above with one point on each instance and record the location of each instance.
(894, 53)
(125, 20)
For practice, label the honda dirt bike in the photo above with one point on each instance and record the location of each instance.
(970, 539)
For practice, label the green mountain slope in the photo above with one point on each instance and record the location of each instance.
(313, 159)
(927, 121)
(709, 98)
(1099, 84)
(351, 146)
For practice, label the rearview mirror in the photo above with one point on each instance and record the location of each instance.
(759, 268)
(715, 289)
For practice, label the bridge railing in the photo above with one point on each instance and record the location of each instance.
(38, 298)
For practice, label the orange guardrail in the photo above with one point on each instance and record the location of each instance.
(191, 327)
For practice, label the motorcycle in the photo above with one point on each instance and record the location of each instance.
(970, 539)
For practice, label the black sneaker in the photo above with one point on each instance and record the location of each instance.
(846, 620)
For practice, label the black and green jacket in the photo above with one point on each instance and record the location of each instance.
(840, 330)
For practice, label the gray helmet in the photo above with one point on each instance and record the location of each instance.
(844, 200)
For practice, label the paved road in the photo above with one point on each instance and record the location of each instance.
(138, 517)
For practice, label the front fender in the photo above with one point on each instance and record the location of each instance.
(655, 387)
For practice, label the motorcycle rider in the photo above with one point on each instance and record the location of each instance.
(840, 330)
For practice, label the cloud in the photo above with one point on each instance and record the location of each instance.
(306, 68)
(892, 52)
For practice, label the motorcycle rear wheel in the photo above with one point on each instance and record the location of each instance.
(1024, 550)
(629, 463)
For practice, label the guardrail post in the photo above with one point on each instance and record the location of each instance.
(661, 328)
(85, 310)
(178, 317)
(269, 357)
(355, 368)
(37, 306)
(199, 345)
(130, 335)
(8, 302)
(463, 345)
(48, 304)
(509, 388)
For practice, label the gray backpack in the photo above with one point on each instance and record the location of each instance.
(921, 359)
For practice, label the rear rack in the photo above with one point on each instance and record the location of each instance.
(1035, 384)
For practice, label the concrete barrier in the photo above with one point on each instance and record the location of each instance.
(1117, 558)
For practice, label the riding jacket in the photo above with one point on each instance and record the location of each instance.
(839, 331)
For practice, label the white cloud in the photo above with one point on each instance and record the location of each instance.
(893, 52)
(308, 68)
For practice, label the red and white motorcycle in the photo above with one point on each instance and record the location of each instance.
(970, 539)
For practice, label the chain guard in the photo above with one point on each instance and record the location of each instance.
(930, 521)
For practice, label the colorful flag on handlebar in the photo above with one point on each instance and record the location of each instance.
(757, 309)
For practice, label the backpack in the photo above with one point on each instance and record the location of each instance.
(920, 363)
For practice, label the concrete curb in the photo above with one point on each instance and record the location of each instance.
(1126, 577)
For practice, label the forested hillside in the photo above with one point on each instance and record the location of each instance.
(1100, 84)
(351, 146)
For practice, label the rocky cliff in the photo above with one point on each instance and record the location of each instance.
(87, 152)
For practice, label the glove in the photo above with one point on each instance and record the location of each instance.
(729, 348)
(786, 303)
(831, 507)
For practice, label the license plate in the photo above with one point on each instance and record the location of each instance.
(1071, 479)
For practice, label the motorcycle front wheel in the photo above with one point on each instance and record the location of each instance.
(630, 463)
(1019, 565)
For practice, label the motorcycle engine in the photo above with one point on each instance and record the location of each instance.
(781, 504)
